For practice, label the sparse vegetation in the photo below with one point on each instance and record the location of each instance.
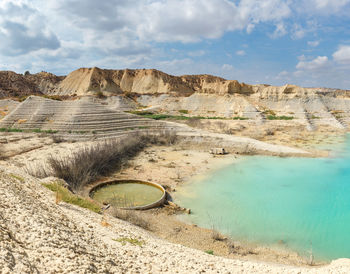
(100, 95)
(57, 139)
(132, 241)
(194, 122)
(217, 236)
(36, 130)
(210, 252)
(89, 163)
(269, 112)
(49, 131)
(272, 117)
(52, 97)
(11, 130)
(240, 118)
(315, 117)
(66, 196)
(18, 178)
(151, 115)
(131, 216)
(183, 111)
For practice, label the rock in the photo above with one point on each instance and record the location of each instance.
(218, 151)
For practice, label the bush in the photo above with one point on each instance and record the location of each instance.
(100, 95)
(89, 163)
(184, 111)
(11, 130)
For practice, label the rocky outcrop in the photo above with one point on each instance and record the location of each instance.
(16, 85)
(13, 84)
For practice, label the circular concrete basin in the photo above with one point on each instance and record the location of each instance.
(129, 194)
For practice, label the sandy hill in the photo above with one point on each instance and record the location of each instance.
(197, 95)
(87, 81)
(16, 85)
(150, 81)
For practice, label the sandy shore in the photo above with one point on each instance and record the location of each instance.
(40, 236)
(173, 167)
(170, 167)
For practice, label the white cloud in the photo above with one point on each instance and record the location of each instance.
(313, 43)
(298, 32)
(240, 52)
(283, 75)
(22, 30)
(342, 55)
(227, 67)
(315, 64)
(333, 5)
(279, 31)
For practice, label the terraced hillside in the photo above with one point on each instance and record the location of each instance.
(192, 95)
(78, 119)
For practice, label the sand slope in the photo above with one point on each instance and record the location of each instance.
(38, 236)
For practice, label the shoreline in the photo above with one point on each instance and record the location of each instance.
(245, 249)
(173, 166)
(165, 222)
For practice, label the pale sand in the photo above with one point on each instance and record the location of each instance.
(38, 236)
(169, 166)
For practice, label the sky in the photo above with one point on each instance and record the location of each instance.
(302, 42)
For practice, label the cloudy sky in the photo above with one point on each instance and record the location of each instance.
(304, 42)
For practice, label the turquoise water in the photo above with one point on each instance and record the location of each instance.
(297, 203)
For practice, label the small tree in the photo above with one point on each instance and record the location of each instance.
(27, 72)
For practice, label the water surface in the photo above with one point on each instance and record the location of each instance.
(128, 194)
(301, 204)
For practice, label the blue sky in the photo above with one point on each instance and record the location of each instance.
(303, 42)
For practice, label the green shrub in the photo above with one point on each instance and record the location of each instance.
(272, 117)
(49, 131)
(183, 111)
(71, 198)
(132, 241)
(11, 130)
(100, 95)
(211, 252)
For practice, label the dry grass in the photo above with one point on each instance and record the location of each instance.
(131, 216)
(89, 163)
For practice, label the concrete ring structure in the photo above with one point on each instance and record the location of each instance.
(151, 205)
